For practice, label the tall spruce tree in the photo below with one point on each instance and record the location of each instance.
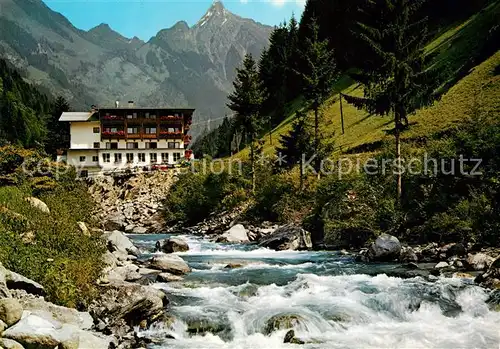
(296, 146)
(318, 73)
(58, 132)
(246, 101)
(394, 75)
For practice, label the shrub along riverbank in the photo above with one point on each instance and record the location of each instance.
(42, 240)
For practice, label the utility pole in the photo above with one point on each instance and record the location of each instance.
(341, 112)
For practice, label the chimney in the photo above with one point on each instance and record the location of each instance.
(117, 104)
(130, 104)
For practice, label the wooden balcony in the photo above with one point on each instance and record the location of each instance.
(113, 120)
(113, 135)
(170, 135)
(149, 136)
(135, 121)
(149, 121)
(169, 119)
(134, 136)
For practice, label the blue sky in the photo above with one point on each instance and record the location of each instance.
(144, 18)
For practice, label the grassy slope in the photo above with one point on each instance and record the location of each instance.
(452, 49)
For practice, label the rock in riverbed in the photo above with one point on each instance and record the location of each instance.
(117, 241)
(170, 263)
(479, 261)
(385, 248)
(288, 237)
(237, 234)
(173, 245)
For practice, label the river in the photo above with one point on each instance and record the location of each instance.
(330, 300)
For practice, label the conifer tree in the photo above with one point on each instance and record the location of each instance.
(246, 101)
(394, 75)
(318, 73)
(296, 146)
(58, 132)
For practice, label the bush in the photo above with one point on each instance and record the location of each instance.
(196, 196)
(51, 249)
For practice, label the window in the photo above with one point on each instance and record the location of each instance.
(95, 158)
(96, 130)
(132, 116)
(130, 158)
(152, 145)
(177, 157)
(150, 116)
(151, 130)
(133, 130)
(174, 129)
(110, 130)
(142, 157)
(164, 157)
(97, 145)
(153, 157)
(118, 158)
(82, 158)
(112, 145)
(132, 145)
(106, 157)
(84, 173)
(174, 145)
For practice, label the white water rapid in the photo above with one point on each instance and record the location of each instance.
(329, 300)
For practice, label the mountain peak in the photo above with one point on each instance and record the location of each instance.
(217, 6)
(217, 10)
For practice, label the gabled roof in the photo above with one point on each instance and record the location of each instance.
(76, 116)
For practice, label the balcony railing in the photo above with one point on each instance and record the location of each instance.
(112, 117)
(170, 135)
(134, 136)
(149, 136)
(170, 119)
(114, 135)
(134, 121)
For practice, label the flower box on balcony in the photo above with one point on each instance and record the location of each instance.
(170, 118)
(112, 117)
(114, 134)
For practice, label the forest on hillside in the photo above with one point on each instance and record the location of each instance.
(393, 60)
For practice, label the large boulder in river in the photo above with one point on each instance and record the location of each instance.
(385, 248)
(117, 241)
(170, 263)
(130, 303)
(173, 245)
(282, 322)
(288, 237)
(236, 235)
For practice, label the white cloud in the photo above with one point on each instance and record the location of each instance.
(280, 3)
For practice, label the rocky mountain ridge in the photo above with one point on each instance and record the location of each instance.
(180, 66)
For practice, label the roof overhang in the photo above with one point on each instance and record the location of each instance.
(76, 116)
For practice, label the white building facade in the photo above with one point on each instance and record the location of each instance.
(111, 140)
